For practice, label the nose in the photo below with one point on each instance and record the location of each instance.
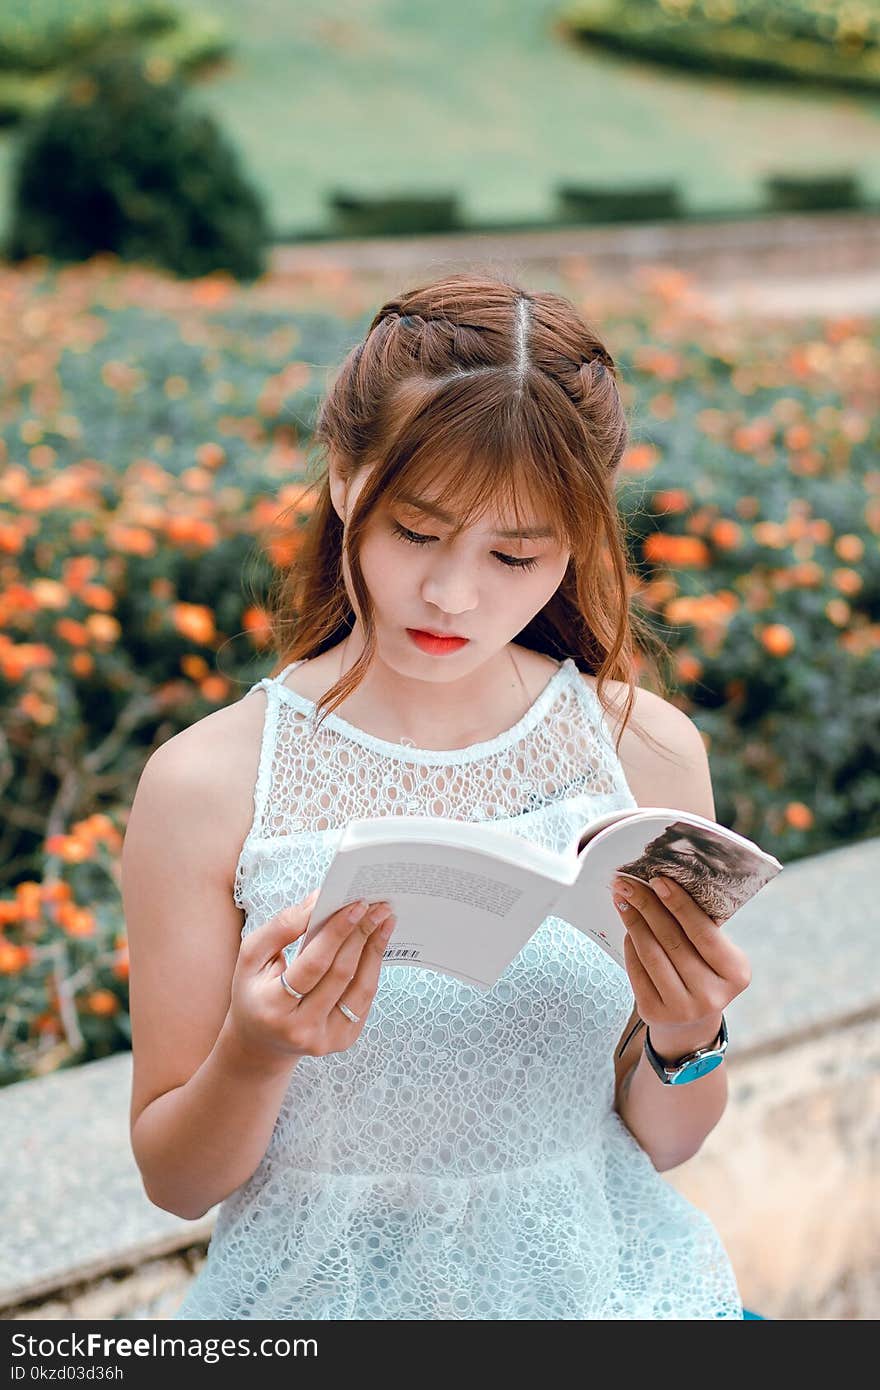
(450, 586)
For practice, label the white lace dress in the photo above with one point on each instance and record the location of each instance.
(463, 1158)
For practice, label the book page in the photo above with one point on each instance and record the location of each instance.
(458, 912)
(720, 869)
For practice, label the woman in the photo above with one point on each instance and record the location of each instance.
(387, 1142)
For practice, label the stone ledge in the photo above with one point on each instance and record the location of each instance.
(789, 1177)
(72, 1206)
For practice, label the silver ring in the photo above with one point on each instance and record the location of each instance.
(290, 989)
(348, 1013)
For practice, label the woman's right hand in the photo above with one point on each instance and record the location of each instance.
(340, 964)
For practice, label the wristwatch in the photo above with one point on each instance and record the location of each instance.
(693, 1064)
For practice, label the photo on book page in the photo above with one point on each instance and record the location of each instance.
(719, 874)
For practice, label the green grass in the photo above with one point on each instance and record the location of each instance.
(480, 96)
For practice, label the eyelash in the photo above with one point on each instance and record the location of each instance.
(510, 561)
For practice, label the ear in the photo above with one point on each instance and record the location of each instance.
(338, 487)
(345, 487)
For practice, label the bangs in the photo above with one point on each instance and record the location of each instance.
(470, 459)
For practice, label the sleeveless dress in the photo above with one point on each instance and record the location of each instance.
(462, 1159)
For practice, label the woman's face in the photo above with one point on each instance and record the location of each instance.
(478, 584)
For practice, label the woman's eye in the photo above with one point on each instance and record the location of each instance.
(511, 561)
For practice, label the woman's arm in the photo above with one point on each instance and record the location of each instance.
(682, 968)
(199, 1142)
(671, 1122)
(202, 1112)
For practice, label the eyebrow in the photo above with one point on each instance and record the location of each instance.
(422, 505)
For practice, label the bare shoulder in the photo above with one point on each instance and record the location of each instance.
(661, 749)
(219, 758)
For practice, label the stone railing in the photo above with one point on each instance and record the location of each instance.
(787, 1176)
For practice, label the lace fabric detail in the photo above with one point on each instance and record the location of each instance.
(463, 1158)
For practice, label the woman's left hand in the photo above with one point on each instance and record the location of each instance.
(682, 968)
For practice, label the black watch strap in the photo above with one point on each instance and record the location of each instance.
(667, 1071)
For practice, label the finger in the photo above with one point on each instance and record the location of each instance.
(661, 918)
(359, 994)
(659, 967)
(313, 959)
(647, 998)
(705, 935)
(322, 993)
(264, 943)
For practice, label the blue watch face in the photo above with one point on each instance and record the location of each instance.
(693, 1070)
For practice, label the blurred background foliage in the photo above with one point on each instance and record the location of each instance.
(358, 116)
(41, 41)
(155, 473)
(121, 161)
(833, 42)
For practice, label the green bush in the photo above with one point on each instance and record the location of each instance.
(120, 162)
(606, 203)
(365, 214)
(796, 40)
(37, 35)
(41, 40)
(806, 193)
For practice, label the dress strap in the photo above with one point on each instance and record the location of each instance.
(267, 745)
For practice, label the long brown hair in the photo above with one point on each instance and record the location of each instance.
(507, 394)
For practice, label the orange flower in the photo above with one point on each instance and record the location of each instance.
(284, 549)
(12, 539)
(211, 455)
(13, 958)
(197, 480)
(28, 899)
(671, 500)
(850, 547)
(799, 816)
(76, 921)
(71, 631)
(212, 290)
(103, 628)
(838, 611)
(49, 593)
(196, 667)
(755, 435)
(798, 436)
(777, 639)
(682, 551)
(688, 667)
(119, 376)
(255, 621)
(56, 891)
(78, 570)
(131, 540)
(81, 664)
(98, 596)
(770, 533)
(726, 535)
(102, 1002)
(846, 580)
(215, 688)
(639, 458)
(194, 620)
(191, 530)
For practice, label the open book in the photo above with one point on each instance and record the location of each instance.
(468, 897)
